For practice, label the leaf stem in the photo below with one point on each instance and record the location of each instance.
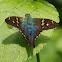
(38, 58)
(35, 0)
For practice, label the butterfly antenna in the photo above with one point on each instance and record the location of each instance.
(33, 11)
(19, 10)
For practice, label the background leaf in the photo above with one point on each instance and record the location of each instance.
(13, 46)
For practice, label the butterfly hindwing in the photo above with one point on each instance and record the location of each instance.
(44, 24)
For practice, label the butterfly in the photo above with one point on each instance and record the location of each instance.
(31, 27)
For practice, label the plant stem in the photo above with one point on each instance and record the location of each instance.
(35, 0)
(38, 58)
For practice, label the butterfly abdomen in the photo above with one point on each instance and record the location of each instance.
(30, 29)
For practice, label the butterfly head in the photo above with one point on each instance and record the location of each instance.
(27, 15)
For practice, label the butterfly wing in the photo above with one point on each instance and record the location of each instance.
(14, 21)
(44, 24)
(20, 23)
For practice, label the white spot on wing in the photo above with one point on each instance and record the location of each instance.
(42, 27)
(52, 22)
(9, 18)
(17, 25)
(43, 22)
(17, 21)
(47, 24)
(24, 35)
(13, 21)
(16, 18)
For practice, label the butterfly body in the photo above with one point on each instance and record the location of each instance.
(28, 26)
(31, 27)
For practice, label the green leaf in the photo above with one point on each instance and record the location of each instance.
(13, 46)
(33, 59)
(50, 51)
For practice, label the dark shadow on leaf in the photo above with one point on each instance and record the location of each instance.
(41, 39)
(18, 38)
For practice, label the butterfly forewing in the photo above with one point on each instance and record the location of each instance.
(14, 21)
(48, 24)
(44, 24)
